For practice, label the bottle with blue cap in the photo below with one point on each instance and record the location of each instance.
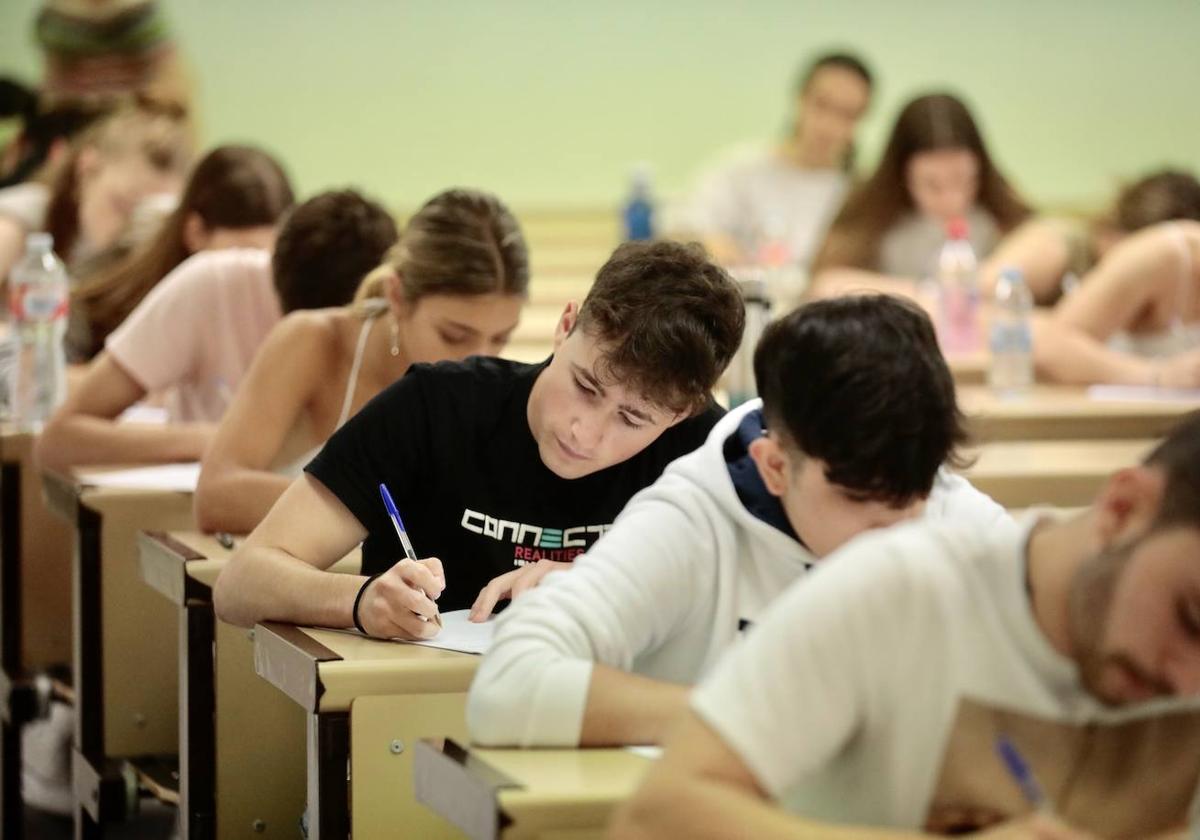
(1011, 339)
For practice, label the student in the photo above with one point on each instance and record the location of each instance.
(46, 129)
(1135, 319)
(495, 464)
(115, 164)
(789, 190)
(193, 336)
(437, 296)
(234, 198)
(934, 169)
(1056, 253)
(856, 419)
(873, 695)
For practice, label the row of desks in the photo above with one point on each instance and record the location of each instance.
(156, 677)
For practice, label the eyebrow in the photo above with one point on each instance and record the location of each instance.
(590, 378)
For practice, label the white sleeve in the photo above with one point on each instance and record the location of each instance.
(714, 205)
(954, 499)
(624, 597)
(804, 682)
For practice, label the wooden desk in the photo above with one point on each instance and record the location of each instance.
(969, 368)
(1063, 473)
(35, 611)
(367, 703)
(521, 794)
(124, 676)
(233, 727)
(1057, 412)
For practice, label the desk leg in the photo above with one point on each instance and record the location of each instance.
(197, 729)
(99, 786)
(328, 768)
(11, 808)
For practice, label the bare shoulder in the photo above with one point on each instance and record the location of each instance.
(314, 338)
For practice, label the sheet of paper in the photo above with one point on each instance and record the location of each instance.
(1142, 393)
(177, 477)
(459, 634)
(651, 752)
(146, 414)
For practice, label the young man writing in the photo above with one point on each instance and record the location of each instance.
(493, 464)
(874, 699)
(857, 418)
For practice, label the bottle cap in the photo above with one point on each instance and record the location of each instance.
(1012, 274)
(957, 228)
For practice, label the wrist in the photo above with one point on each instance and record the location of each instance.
(356, 607)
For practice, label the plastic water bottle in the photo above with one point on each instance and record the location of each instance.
(740, 377)
(38, 300)
(958, 292)
(638, 212)
(1011, 368)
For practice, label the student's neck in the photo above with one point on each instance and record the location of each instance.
(1055, 552)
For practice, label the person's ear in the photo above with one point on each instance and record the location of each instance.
(393, 293)
(773, 463)
(566, 323)
(1128, 503)
(196, 235)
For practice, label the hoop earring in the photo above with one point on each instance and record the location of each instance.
(395, 348)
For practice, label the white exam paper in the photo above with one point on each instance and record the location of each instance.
(1142, 393)
(171, 477)
(459, 634)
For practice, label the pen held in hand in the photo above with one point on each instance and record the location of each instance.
(398, 524)
(1022, 774)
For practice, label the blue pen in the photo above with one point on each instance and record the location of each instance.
(398, 524)
(1022, 774)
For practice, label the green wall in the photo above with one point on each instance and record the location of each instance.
(550, 103)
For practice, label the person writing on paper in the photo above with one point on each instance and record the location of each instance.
(783, 195)
(497, 465)
(893, 671)
(935, 169)
(856, 423)
(234, 198)
(436, 296)
(192, 338)
(1135, 318)
(1054, 254)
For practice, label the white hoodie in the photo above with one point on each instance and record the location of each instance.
(684, 569)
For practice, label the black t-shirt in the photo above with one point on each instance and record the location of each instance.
(452, 443)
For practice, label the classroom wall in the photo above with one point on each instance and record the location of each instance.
(550, 103)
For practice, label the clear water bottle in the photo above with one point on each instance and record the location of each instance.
(1011, 368)
(637, 214)
(38, 298)
(740, 376)
(958, 292)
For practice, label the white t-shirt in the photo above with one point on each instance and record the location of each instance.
(683, 571)
(194, 335)
(753, 194)
(873, 695)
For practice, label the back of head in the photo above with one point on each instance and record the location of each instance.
(928, 123)
(325, 247)
(460, 242)
(1178, 456)
(668, 321)
(231, 187)
(859, 383)
(1159, 197)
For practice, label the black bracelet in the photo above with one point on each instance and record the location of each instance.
(358, 600)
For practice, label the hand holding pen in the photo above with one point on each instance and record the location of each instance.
(1042, 824)
(399, 603)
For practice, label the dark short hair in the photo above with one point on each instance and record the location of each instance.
(1158, 197)
(1178, 456)
(859, 383)
(842, 60)
(668, 319)
(326, 247)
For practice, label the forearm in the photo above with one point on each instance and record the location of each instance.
(84, 439)
(266, 584)
(625, 708)
(1065, 354)
(235, 500)
(700, 808)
